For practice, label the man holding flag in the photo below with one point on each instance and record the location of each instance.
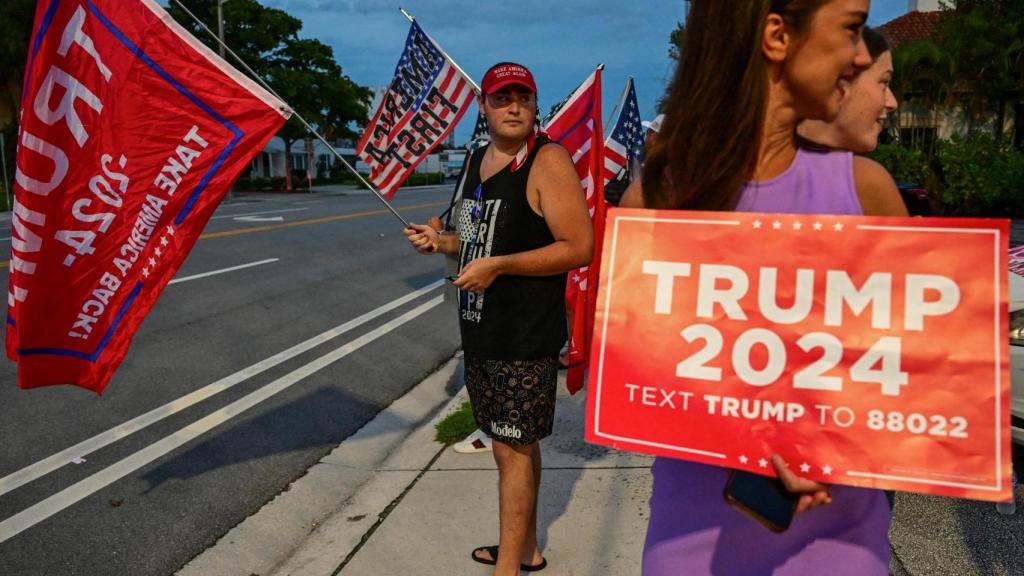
(522, 224)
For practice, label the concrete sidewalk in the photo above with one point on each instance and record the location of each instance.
(381, 506)
(391, 501)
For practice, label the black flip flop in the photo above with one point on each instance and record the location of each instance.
(493, 551)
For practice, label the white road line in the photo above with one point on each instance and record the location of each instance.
(309, 202)
(51, 463)
(258, 213)
(44, 509)
(223, 270)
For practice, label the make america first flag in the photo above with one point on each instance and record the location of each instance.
(423, 103)
(131, 133)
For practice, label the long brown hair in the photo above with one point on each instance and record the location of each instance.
(716, 107)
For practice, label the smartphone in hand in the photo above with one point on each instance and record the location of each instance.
(763, 498)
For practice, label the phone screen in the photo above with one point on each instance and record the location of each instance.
(762, 497)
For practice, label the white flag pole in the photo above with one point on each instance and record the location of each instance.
(454, 64)
(312, 130)
(622, 98)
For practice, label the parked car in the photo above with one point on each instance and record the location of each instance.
(1017, 375)
(915, 197)
(1017, 351)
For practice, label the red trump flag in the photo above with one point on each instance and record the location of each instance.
(842, 344)
(577, 127)
(131, 133)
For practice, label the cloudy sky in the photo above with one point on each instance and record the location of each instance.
(561, 42)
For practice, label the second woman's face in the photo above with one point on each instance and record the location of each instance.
(865, 107)
(823, 61)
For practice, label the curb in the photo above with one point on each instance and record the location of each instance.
(341, 498)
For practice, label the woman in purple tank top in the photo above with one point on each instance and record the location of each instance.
(751, 70)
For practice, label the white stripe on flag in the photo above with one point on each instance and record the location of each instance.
(582, 150)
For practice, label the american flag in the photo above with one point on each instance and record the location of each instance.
(623, 145)
(422, 105)
(481, 134)
(576, 125)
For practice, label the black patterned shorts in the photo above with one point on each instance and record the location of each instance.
(513, 400)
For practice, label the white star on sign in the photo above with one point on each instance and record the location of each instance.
(163, 241)
(817, 225)
(838, 226)
(744, 459)
(797, 225)
(145, 272)
(152, 262)
(170, 231)
(805, 467)
(762, 463)
(826, 470)
(158, 252)
(757, 223)
(776, 225)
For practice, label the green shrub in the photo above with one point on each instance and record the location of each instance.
(980, 176)
(905, 164)
(424, 179)
(974, 176)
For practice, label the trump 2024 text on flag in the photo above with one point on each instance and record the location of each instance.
(131, 133)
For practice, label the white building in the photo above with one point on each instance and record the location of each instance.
(269, 163)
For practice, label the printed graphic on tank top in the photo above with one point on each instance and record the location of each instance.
(477, 226)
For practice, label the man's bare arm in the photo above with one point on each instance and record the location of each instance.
(564, 208)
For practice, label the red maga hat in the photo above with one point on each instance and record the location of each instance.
(506, 74)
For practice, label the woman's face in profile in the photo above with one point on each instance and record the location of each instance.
(865, 107)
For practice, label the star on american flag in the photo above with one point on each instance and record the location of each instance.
(627, 137)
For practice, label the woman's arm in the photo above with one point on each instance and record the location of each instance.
(876, 189)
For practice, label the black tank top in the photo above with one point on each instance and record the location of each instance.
(517, 317)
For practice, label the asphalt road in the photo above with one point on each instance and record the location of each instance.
(273, 272)
(269, 273)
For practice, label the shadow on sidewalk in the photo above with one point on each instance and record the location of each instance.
(568, 456)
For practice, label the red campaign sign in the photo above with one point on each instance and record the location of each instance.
(131, 133)
(864, 351)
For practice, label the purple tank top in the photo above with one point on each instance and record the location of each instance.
(815, 183)
(692, 530)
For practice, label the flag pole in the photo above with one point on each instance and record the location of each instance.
(3, 162)
(295, 113)
(454, 64)
(618, 103)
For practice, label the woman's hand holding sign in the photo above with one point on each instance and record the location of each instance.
(812, 494)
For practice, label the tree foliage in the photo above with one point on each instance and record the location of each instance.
(302, 71)
(675, 41)
(15, 29)
(975, 60)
